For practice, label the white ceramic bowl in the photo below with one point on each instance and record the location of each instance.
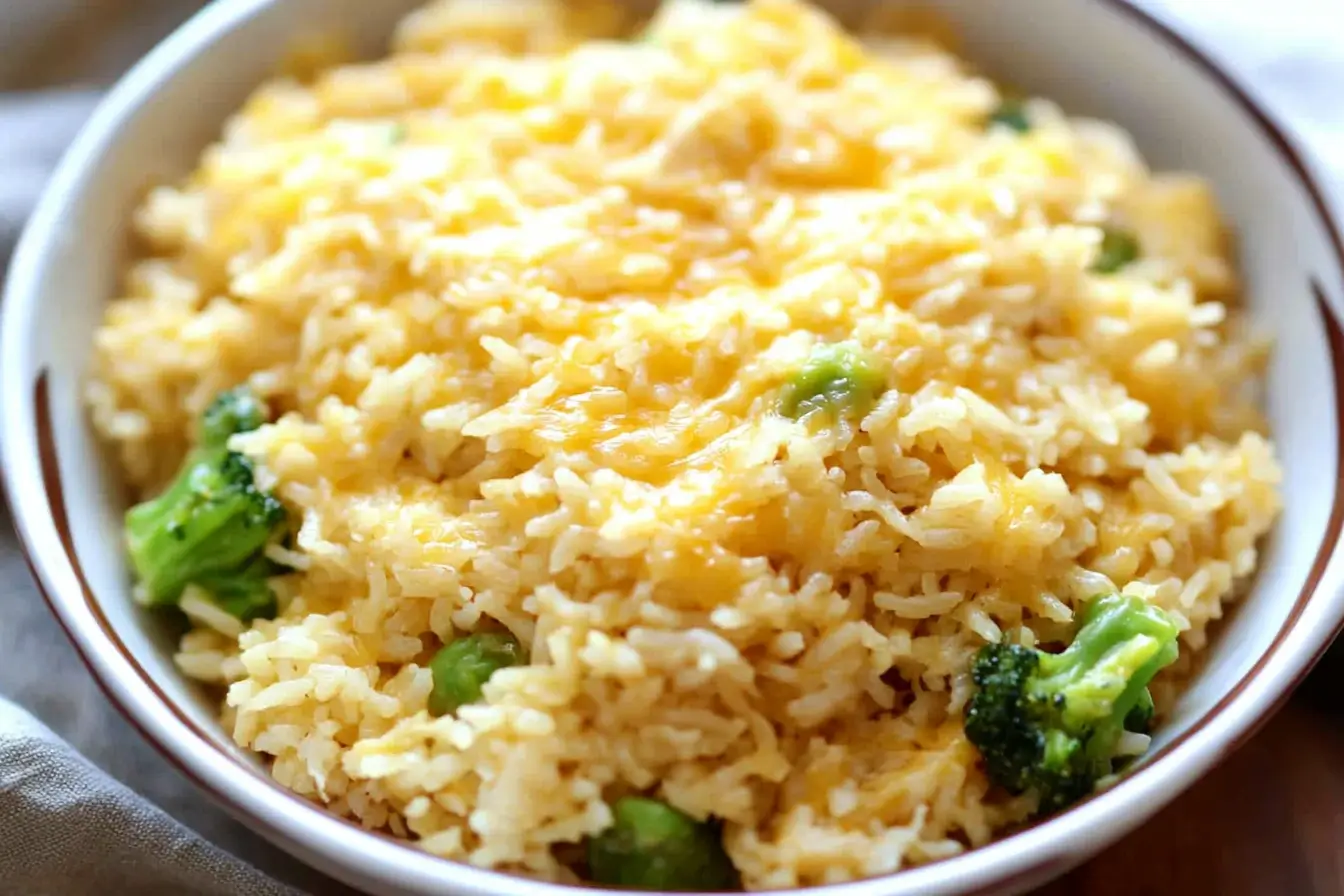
(1095, 56)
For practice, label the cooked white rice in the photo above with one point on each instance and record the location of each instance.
(524, 301)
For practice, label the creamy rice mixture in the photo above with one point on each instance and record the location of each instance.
(522, 298)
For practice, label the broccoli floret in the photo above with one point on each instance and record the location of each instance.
(462, 667)
(1119, 248)
(233, 411)
(1011, 114)
(836, 377)
(1140, 718)
(1051, 723)
(245, 593)
(652, 846)
(212, 522)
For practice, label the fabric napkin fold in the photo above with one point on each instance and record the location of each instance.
(71, 825)
(70, 829)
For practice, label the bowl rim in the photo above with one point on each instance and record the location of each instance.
(32, 489)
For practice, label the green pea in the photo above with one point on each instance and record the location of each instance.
(1011, 114)
(652, 846)
(838, 377)
(462, 667)
(1118, 249)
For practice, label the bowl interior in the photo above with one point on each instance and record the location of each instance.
(170, 108)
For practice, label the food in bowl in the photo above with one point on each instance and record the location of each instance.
(741, 454)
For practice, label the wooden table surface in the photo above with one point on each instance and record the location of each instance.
(1267, 822)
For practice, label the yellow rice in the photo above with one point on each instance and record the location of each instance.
(523, 303)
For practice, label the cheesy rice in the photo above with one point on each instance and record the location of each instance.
(523, 297)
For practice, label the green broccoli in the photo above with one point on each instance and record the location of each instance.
(233, 411)
(1011, 114)
(245, 593)
(838, 377)
(462, 667)
(212, 523)
(1140, 718)
(1051, 723)
(1119, 248)
(652, 846)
